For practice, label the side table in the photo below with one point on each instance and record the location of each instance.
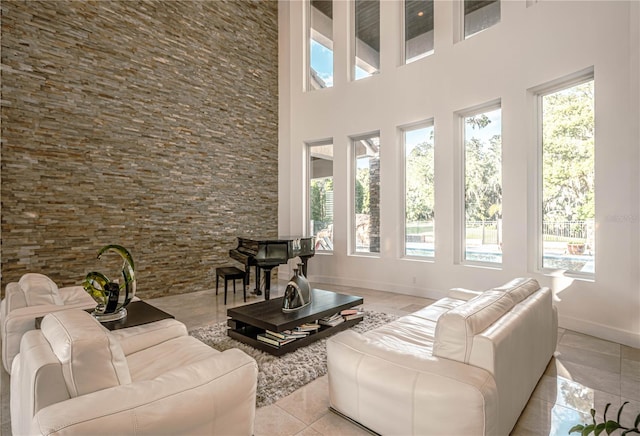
(138, 313)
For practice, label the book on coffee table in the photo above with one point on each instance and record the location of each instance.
(272, 340)
(332, 320)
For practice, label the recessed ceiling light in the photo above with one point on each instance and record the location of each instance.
(420, 13)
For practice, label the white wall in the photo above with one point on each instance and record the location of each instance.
(531, 46)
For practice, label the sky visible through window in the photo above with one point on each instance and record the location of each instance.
(322, 64)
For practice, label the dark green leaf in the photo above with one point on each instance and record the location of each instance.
(576, 429)
(611, 426)
(637, 421)
(599, 429)
(588, 429)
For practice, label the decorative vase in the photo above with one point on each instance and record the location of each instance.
(112, 297)
(298, 293)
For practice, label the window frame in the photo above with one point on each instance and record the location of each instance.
(403, 48)
(460, 215)
(424, 124)
(307, 216)
(353, 64)
(539, 92)
(462, 21)
(308, 11)
(353, 169)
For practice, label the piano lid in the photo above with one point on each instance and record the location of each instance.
(278, 239)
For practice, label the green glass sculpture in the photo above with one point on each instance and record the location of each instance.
(112, 297)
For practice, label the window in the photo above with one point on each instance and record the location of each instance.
(480, 15)
(568, 174)
(320, 44)
(419, 191)
(483, 186)
(366, 41)
(366, 194)
(418, 29)
(321, 194)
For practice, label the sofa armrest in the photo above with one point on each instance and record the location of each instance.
(75, 294)
(463, 294)
(13, 298)
(213, 396)
(394, 392)
(138, 338)
(20, 321)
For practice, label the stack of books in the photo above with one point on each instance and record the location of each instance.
(273, 340)
(348, 314)
(277, 339)
(308, 327)
(332, 320)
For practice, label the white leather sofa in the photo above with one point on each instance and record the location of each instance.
(465, 365)
(74, 377)
(33, 296)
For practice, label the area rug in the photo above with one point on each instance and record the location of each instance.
(279, 376)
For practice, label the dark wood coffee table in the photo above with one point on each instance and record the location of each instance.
(248, 321)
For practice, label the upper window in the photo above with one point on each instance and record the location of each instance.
(419, 191)
(320, 48)
(480, 15)
(321, 194)
(366, 194)
(483, 186)
(418, 29)
(366, 41)
(568, 176)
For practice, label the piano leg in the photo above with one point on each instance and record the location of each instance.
(257, 290)
(267, 282)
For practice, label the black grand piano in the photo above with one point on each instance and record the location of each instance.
(266, 254)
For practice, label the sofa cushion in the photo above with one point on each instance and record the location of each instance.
(39, 289)
(456, 328)
(91, 358)
(519, 288)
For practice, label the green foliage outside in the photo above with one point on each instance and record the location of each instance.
(362, 191)
(420, 183)
(319, 190)
(568, 154)
(483, 174)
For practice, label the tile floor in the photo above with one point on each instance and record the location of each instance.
(586, 372)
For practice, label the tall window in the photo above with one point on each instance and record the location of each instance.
(418, 29)
(480, 15)
(483, 186)
(366, 41)
(419, 191)
(321, 194)
(320, 44)
(568, 173)
(366, 195)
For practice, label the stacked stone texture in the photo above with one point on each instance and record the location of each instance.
(152, 125)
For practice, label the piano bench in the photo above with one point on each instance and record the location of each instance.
(231, 273)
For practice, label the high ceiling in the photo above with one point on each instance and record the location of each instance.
(418, 17)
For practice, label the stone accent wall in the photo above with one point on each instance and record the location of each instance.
(152, 125)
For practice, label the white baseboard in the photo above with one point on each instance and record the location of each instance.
(600, 331)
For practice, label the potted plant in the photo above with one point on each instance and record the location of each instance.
(608, 426)
(575, 247)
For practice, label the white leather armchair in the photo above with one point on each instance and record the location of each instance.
(35, 295)
(75, 377)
